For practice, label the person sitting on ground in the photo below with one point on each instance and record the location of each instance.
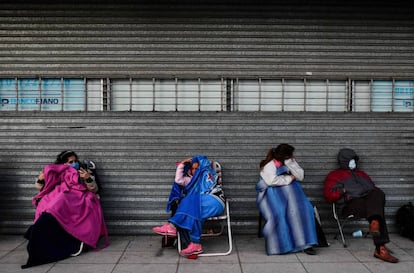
(361, 198)
(290, 220)
(68, 212)
(198, 196)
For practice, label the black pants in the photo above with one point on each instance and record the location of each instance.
(370, 207)
(48, 242)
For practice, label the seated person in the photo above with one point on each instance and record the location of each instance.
(290, 220)
(362, 199)
(199, 197)
(68, 211)
(86, 170)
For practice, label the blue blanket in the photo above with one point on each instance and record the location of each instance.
(290, 221)
(189, 210)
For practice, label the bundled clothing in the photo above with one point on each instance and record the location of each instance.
(200, 197)
(67, 215)
(290, 220)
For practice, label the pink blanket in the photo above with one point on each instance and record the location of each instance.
(77, 209)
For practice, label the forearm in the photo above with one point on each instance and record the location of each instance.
(269, 176)
(295, 169)
(332, 190)
(180, 178)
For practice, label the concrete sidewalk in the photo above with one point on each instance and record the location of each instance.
(144, 254)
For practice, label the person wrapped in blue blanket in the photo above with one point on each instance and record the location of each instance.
(198, 196)
(289, 215)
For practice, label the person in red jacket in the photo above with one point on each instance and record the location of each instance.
(361, 198)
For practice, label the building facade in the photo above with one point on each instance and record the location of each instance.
(137, 85)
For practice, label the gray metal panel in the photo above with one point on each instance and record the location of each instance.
(320, 39)
(136, 154)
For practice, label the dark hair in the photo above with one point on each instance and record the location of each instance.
(63, 157)
(281, 153)
(187, 167)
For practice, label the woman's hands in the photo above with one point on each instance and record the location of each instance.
(41, 176)
(187, 160)
(84, 174)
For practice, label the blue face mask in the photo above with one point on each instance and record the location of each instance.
(75, 165)
(352, 164)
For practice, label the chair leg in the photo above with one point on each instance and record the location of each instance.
(178, 242)
(229, 235)
(341, 233)
(340, 227)
(230, 238)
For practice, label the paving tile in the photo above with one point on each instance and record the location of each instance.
(3, 253)
(382, 267)
(146, 268)
(94, 257)
(402, 242)
(82, 268)
(228, 259)
(118, 243)
(251, 249)
(273, 268)
(336, 268)
(204, 268)
(261, 257)
(144, 254)
(144, 243)
(328, 255)
(368, 255)
(15, 257)
(11, 242)
(249, 243)
(167, 256)
(410, 252)
(16, 268)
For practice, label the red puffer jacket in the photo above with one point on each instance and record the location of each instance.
(333, 190)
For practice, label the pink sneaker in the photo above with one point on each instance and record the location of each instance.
(166, 230)
(192, 248)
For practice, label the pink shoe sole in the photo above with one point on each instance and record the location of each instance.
(191, 250)
(168, 234)
(165, 230)
(192, 253)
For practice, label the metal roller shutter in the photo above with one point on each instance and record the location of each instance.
(321, 39)
(136, 155)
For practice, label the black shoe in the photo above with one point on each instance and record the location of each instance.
(310, 251)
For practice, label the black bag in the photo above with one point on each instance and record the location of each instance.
(404, 221)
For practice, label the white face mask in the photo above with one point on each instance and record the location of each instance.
(352, 164)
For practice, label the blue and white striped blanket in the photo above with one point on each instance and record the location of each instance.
(289, 215)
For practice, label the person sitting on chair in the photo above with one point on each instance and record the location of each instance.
(362, 199)
(198, 196)
(68, 215)
(290, 219)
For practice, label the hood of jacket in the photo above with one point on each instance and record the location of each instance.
(344, 156)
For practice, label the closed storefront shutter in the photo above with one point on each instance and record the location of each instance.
(122, 52)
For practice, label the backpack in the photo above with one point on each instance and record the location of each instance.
(405, 220)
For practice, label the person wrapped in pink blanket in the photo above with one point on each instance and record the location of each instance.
(68, 217)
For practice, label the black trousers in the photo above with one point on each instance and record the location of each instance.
(48, 242)
(370, 207)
